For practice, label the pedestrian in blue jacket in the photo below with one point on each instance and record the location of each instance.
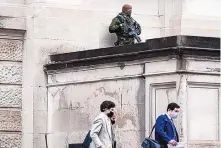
(165, 130)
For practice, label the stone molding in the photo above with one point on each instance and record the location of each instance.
(179, 46)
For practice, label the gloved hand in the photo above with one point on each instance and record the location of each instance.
(131, 33)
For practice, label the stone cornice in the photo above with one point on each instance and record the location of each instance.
(160, 47)
(12, 34)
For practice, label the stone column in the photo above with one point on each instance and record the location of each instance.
(11, 47)
(182, 99)
(190, 17)
(170, 12)
(201, 17)
(34, 83)
(12, 26)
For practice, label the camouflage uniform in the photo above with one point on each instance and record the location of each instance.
(121, 25)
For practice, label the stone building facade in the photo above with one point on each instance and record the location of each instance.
(31, 30)
(11, 58)
(141, 79)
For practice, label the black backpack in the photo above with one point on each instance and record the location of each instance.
(87, 141)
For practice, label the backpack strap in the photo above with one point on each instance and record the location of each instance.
(152, 131)
(120, 18)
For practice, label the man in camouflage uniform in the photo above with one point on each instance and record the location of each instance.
(123, 24)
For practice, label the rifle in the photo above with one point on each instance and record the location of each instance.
(134, 34)
(132, 31)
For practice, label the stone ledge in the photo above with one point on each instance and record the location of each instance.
(15, 34)
(160, 47)
(12, 23)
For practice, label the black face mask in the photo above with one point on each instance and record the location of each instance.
(110, 114)
(112, 122)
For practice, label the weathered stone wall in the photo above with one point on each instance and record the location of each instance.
(73, 107)
(58, 26)
(65, 26)
(141, 91)
(11, 56)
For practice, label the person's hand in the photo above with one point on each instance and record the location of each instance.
(173, 142)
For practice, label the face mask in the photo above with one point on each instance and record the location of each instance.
(128, 13)
(112, 122)
(174, 115)
(110, 114)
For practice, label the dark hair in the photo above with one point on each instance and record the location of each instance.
(106, 104)
(172, 106)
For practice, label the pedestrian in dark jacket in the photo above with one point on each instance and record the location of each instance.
(165, 130)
